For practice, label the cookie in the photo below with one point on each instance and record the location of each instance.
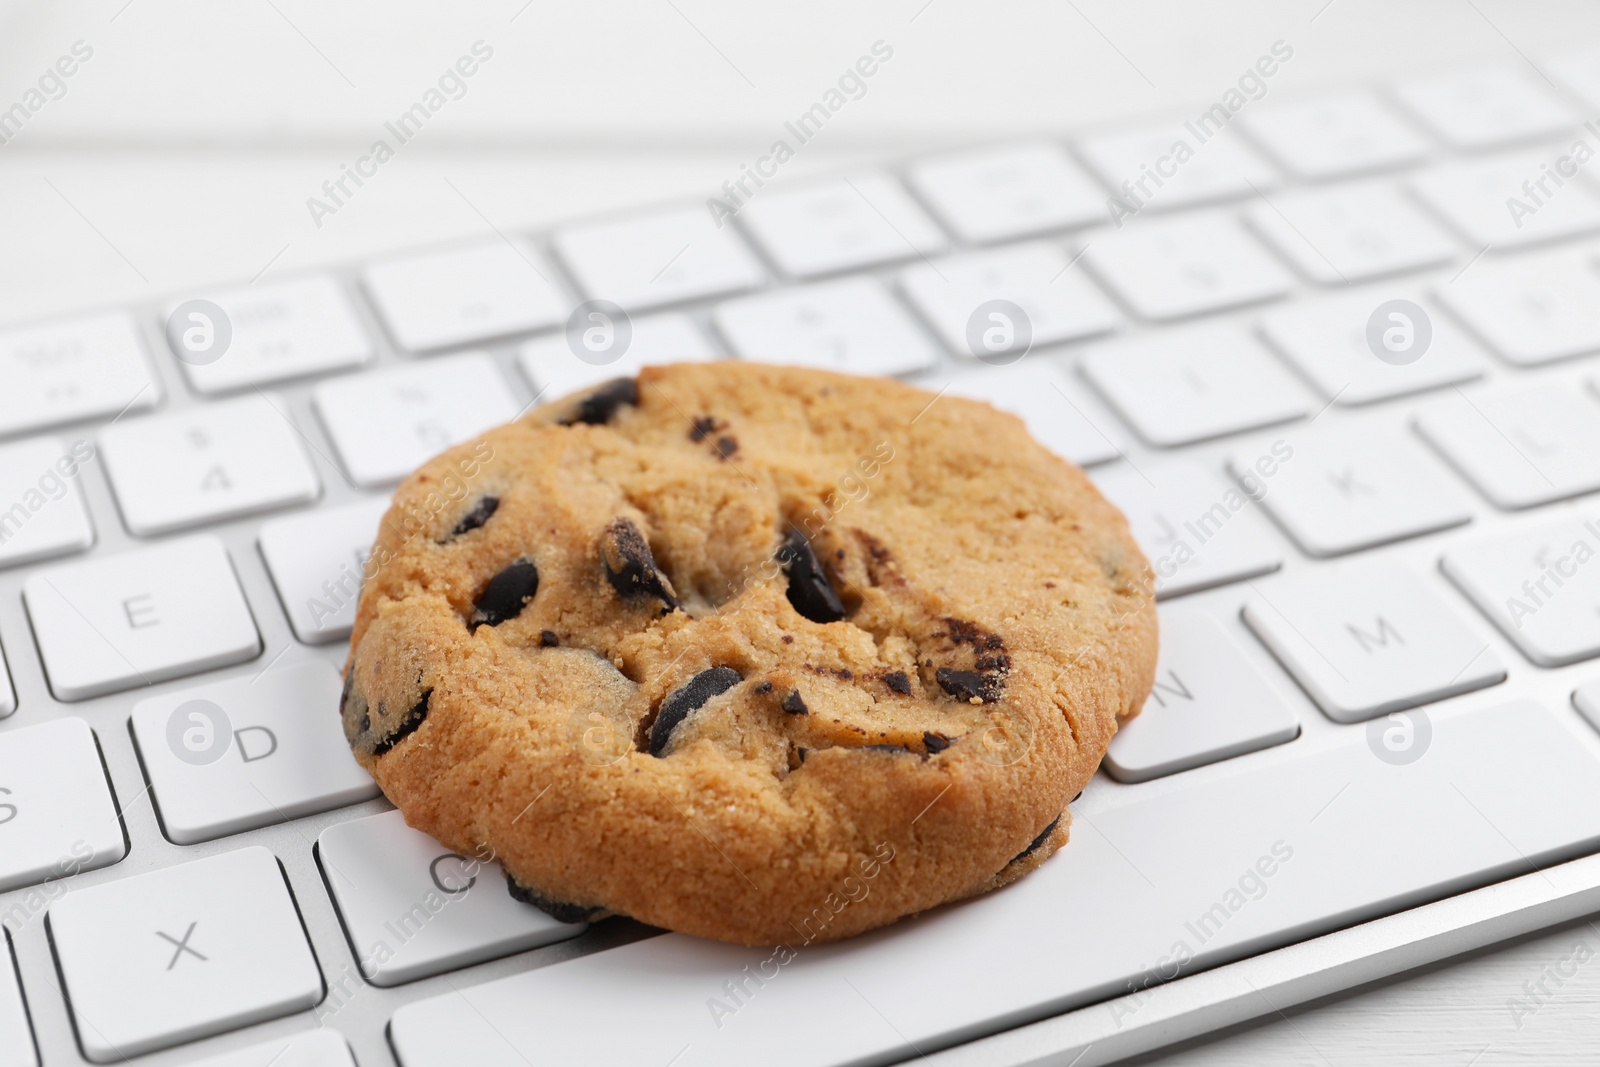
(761, 654)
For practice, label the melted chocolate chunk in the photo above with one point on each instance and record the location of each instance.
(549, 639)
(631, 567)
(686, 698)
(560, 912)
(809, 590)
(597, 408)
(703, 426)
(1036, 843)
(726, 446)
(406, 726)
(794, 704)
(935, 743)
(964, 685)
(899, 682)
(481, 513)
(506, 595)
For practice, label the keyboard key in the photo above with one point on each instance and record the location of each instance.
(1520, 449)
(1536, 585)
(840, 225)
(414, 909)
(661, 258)
(1135, 166)
(1350, 234)
(182, 953)
(202, 464)
(1175, 268)
(248, 752)
(79, 369)
(314, 1048)
(57, 814)
(995, 194)
(281, 330)
(1208, 704)
(1197, 530)
(1485, 108)
(43, 513)
(1472, 199)
(1367, 640)
(554, 370)
(1326, 341)
(16, 1034)
(1319, 843)
(317, 562)
(1356, 487)
(1532, 309)
(387, 423)
(1049, 403)
(465, 295)
(139, 617)
(1333, 136)
(8, 694)
(1182, 386)
(849, 325)
(1057, 303)
(1586, 698)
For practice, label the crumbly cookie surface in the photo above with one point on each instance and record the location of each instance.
(760, 654)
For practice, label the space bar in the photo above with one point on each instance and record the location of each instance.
(1147, 889)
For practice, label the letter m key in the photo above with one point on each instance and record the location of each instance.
(1379, 639)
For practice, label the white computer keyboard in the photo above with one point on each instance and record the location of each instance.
(1379, 585)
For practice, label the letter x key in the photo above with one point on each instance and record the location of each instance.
(182, 946)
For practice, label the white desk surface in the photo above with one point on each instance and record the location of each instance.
(182, 155)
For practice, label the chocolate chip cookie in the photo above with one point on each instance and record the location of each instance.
(756, 653)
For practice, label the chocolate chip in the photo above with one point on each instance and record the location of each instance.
(794, 704)
(406, 726)
(597, 408)
(506, 594)
(631, 567)
(1038, 842)
(935, 743)
(702, 427)
(549, 639)
(809, 590)
(726, 446)
(481, 513)
(763, 687)
(964, 685)
(899, 682)
(686, 698)
(788, 639)
(560, 912)
(353, 711)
